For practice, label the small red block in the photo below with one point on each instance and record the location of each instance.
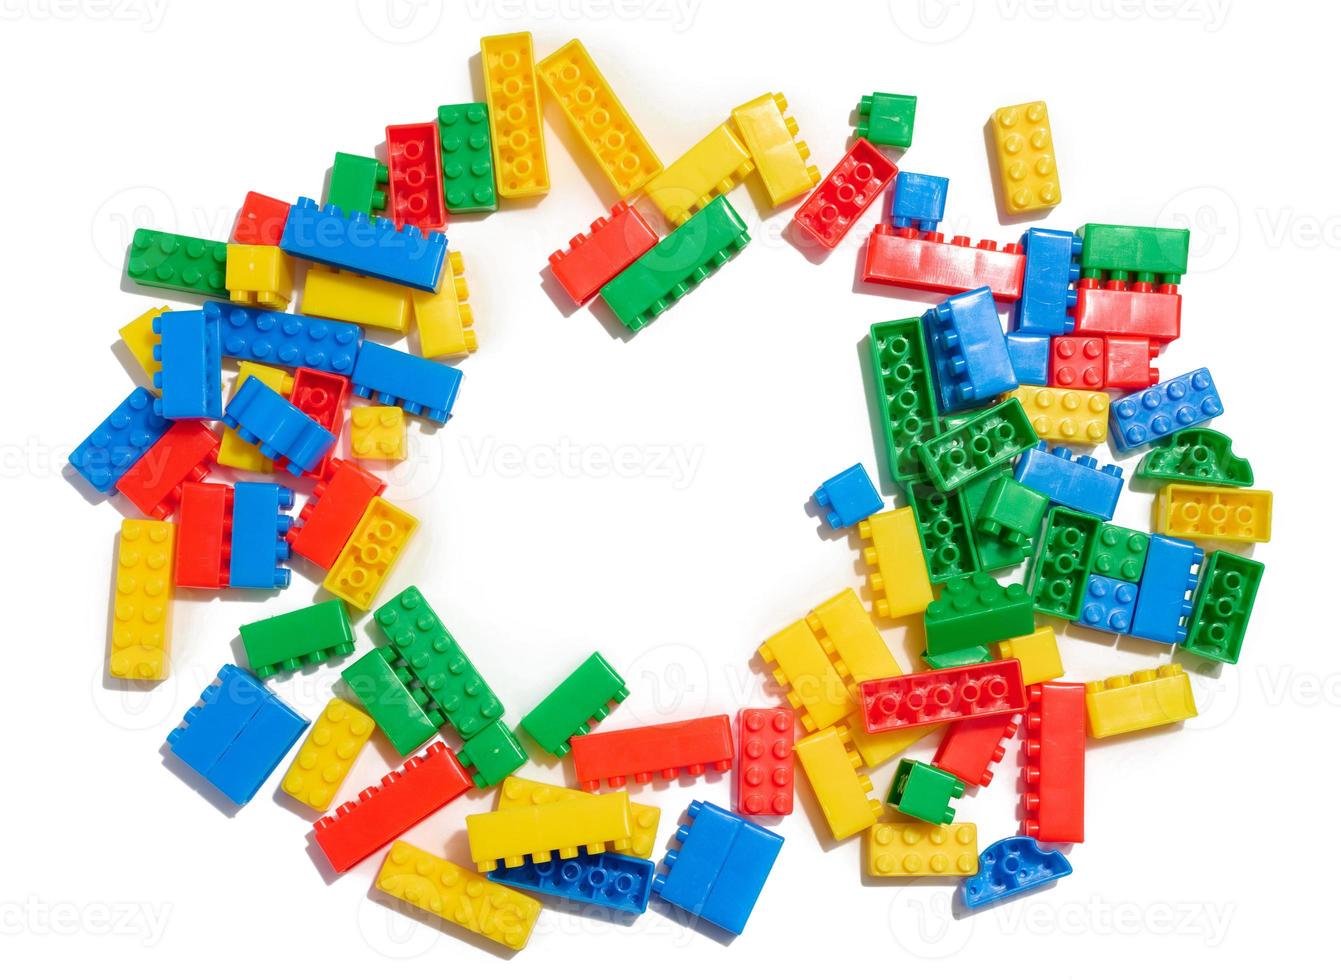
(261, 220)
(204, 536)
(414, 165)
(766, 773)
(1127, 362)
(842, 197)
(1078, 362)
(971, 747)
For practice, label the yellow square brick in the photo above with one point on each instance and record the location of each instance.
(444, 320)
(259, 275)
(1065, 415)
(357, 299)
(139, 337)
(1040, 659)
(780, 158)
(370, 554)
(377, 432)
(235, 451)
(1026, 164)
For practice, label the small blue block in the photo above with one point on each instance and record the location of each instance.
(276, 426)
(286, 340)
(613, 881)
(1048, 294)
(968, 350)
(1011, 866)
(259, 528)
(261, 746)
(1109, 603)
(1167, 584)
(119, 441)
(1163, 409)
(368, 246)
(394, 377)
(190, 366)
(918, 198)
(849, 497)
(1078, 482)
(1029, 356)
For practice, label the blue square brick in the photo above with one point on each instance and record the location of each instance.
(918, 199)
(1109, 604)
(849, 497)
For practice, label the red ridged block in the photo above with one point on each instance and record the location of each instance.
(414, 185)
(853, 185)
(766, 773)
(663, 751)
(971, 747)
(1127, 363)
(933, 696)
(184, 454)
(323, 398)
(925, 260)
(329, 518)
(1119, 308)
(204, 536)
(593, 259)
(1054, 767)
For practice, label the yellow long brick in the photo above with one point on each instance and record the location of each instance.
(1145, 699)
(357, 299)
(1213, 513)
(780, 158)
(510, 89)
(710, 167)
(898, 572)
(141, 634)
(831, 767)
(444, 319)
(1065, 415)
(800, 665)
(518, 792)
(512, 835)
(908, 849)
(849, 637)
(328, 752)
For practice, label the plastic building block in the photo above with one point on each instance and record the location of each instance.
(178, 262)
(912, 849)
(510, 836)
(205, 522)
(1127, 362)
(676, 265)
(766, 771)
(405, 715)
(926, 261)
(887, 119)
(381, 813)
(1180, 403)
(1167, 584)
(370, 246)
(924, 792)
(1077, 362)
(259, 275)
(904, 393)
(444, 319)
(719, 868)
(709, 168)
(810, 679)
(326, 755)
(183, 455)
(234, 451)
(1026, 164)
(301, 638)
(612, 881)
(493, 753)
(1146, 699)
(1054, 770)
(655, 751)
(770, 136)
(141, 634)
(994, 551)
(259, 529)
(942, 695)
(1040, 659)
(971, 747)
(285, 339)
(852, 186)
(919, 199)
(845, 630)
(1048, 293)
(367, 558)
(1012, 512)
(599, 120)
(261, 220)
(322, 396)
(358, 183)
(944, 526)
(1012, 866)
(414, 171)
(119, 441)
(957, 658)
(517, 136)
(968, 350)
(139, 337)
(518, 792)
(262, 417)
(594, 258)
(1196, 456)
(1116, 307)
(377, 432)
(348, 296)
(1063, 415)
(848, 498)
(977, 609)
(1078, 482)
(1109, 604)
(1132, 249)
(985, 441)
(581, 699)
(337, 504)
(1031, 357)
(394, 377)
(1214, 513)
(458, 895)
(188, 365)
(1120, 552)
(1223, 607)
(1063, 562)
(467, 158)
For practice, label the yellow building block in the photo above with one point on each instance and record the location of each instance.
(358, 299)
(845, 630)
(814, 687)
(712, 166)
(377, 432)
(598, 117)
(1146, 699)
(139, 337)
(323, 762)
(508, 61)
(1065, 415)
(1040, 659)
(883, 746)
(444, 320)
(259, 275)
(1213, 513)
(512, 835)
(831, 766)
(458, 895)
(779, 157)
(1024, 158)
(518, 792)
(912, 849)
(371, 552)
(898, 573)
(235, 451)
(142, 610)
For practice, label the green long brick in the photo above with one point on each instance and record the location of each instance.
(582, 698)
(1063, 562)
(179, 262)
(944, 530)
(905, 399)
(358, 183)
(985, 441)
(1121, 250)
(494, 753)
(404, 713)
(1223, 606)
(974, 610)
(467, 158)
(292, 640)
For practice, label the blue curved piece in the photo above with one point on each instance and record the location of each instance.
(1012, 866)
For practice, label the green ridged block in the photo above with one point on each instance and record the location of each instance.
(924, 792)
(1063, 562)
(944, 529)
(1133, 251)
(582, 698)
(1223, 606)
(1199, 455)
(886, 119)
(292, 640)
(404, 714)
(493, 752)
(905, 399)
(358, 184)
(180, 262)
(977, 609)
(988, 439)
(467, 158)
(966, 657)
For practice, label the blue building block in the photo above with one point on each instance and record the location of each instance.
(190, 366)
(1108, 605)
(1167, 584)
(1163, 409)
(1048, 293)
(368, 246)
(721, 866)
(968, 350)
(1011, 866)
(1078, 482)
(276, 426)
(849, 497)
(262, 744)
(119, 441)
(920, 199)
(286, 339)
(613, 881)
(259, 528)
(1029, 356)
(394, 377)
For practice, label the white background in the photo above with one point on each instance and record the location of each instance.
(648, 498)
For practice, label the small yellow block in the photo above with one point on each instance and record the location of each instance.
(815, 688)
(328, 752)
(1213, 513)
(780, 158)
(458, 895)
(898, 572)
(508, 62)
(444, 320)
(358, 299)
(911, 849)
(512, 835)
(1065, 415)
(371, 552)
(712, 166)
(1146, 699)
(831, 767)
(518, 792)
(259, 275)
(139, 337)
(1024, 158)
(849, 637)
(1040, 659)
(235, 451)
(142, 610)
(377, 432)
(883, 746)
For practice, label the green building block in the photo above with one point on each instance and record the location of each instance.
(467, 158)
(1123, 251)
(993, 553)
(494, 753)
(957, 658)
(676, 264)
(924, 792)
(943, 527)
(1063, 562)
(180, 262)
(292, 640)
(583, 697)
(1120, 552)
(985, 441)
(358, 184)
(405, 714)
(1224, 603)
(1012, 512)
(904, 397)
(1196, 456)
(886, 119)
(977, 609)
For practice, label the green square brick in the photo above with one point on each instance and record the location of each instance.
(1120, 552)
(904, 397)
(924, 792)
(358, 184)
(467, 158)
(179, 262)
(1223, 606)
(977, 609)
(292, 640)
(584, 696)
(993, 552)
(494, 753)
(886, 119)
(1063, 562)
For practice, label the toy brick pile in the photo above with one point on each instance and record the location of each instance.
(968, 410)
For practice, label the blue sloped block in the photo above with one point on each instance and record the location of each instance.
(190, 366)
(394, 377)
(1048, 293)
(1011, 866)
(286, 339)
(1030, 355)
(1163, 409)
(849, 497)
(119, 441)
(279, 428)
(369, 246)
(258, 543)
(613, 881)
(1109, 604)
(1167, 586)
(1078, 482)
(968, 350)
(250, 758)
(918, 199)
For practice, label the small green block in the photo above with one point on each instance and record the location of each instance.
(977, 609)
(985, 441)
(1012, 512)
(583, 697)
(1120, 552)
(180, 262)
(292, 640)
(358, 184)
(943, 527)
(957, 658)
(1118, 251)
(1224, 604)
(904, 397)
(993, 553)
(1196, 455)
(494, 753)
(406, 720)
(886, 119)
(1063, 562)
(924, 792)
(467, 158)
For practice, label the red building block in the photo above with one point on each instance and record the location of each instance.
(1077, 362)
(842, 197)
(183, 455)
(323, 397)
(971, 747)
(656, 750)
(204, 536)
(1120, 308)
(414, 190)
(766, 773)
(905, 257)
(426, 784)
(261, 220)
(593, 259)
(328, 519)
(1054, 769)
(933, 696)
(1127, 362)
